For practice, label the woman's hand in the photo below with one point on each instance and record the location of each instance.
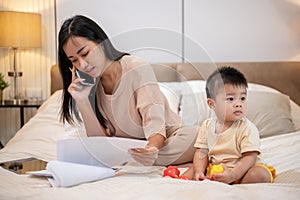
(145, 156)
(76, 89)
(149, 154)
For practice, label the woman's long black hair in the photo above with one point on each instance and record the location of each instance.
(83, 27)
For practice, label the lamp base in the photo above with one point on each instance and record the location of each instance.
(15, 101)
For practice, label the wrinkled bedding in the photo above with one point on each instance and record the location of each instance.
(278, 151)
(38, 139)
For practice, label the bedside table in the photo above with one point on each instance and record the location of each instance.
(22, 106)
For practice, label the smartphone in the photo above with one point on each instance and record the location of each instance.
(22, 166)
(89, 81)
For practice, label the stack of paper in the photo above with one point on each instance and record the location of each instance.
(98, 151)
(65, 174)
(87, 159)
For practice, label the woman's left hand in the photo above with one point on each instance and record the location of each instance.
(145, 156)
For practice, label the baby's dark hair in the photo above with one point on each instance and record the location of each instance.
(222, 76)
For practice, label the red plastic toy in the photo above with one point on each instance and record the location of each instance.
(173, 172)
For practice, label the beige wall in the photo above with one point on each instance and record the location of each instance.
(216, 30)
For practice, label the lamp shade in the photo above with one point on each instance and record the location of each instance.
(20, 29)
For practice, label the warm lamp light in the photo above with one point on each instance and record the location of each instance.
(19, 30)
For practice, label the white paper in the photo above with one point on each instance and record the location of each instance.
(98, 151)
(65, 174)
(45, 173)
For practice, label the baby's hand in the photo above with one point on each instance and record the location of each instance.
(225, 177)
(199, 176)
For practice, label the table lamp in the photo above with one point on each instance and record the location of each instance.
(19, 30)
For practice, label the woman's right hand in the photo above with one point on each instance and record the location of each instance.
(146, 156)
(76, 89)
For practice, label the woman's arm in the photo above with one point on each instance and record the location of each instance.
(149, 154)
(157, 140)
(81, 94)
(91, 123)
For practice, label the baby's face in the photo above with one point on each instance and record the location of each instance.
(231, 103)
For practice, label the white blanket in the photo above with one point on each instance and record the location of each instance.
(280, 151)
(39, 136)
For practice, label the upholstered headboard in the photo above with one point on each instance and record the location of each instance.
(283, 76)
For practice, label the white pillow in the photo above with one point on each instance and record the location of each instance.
(37, 138)
(194, 109)
(270, 112)
(194, 86)
(268, 109)
(54, 101)
(262, 88)
(172, 93)
(295, 112)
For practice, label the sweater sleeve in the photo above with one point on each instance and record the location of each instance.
(151, 106)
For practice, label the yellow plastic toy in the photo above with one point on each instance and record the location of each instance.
(214, 169)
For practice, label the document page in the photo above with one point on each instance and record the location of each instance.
(98, 151)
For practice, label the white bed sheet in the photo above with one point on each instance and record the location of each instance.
(280, 151)
(33, 141)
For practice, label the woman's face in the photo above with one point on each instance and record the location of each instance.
(86, 56)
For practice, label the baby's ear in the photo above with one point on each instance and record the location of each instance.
(210, 103)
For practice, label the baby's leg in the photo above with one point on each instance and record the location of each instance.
(257, 174)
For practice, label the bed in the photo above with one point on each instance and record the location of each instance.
(274, 99)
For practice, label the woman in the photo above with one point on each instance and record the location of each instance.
(126, 100)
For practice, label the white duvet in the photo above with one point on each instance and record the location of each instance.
(280, 151)
(38, 138)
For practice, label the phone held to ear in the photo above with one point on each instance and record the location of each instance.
(89, 81)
